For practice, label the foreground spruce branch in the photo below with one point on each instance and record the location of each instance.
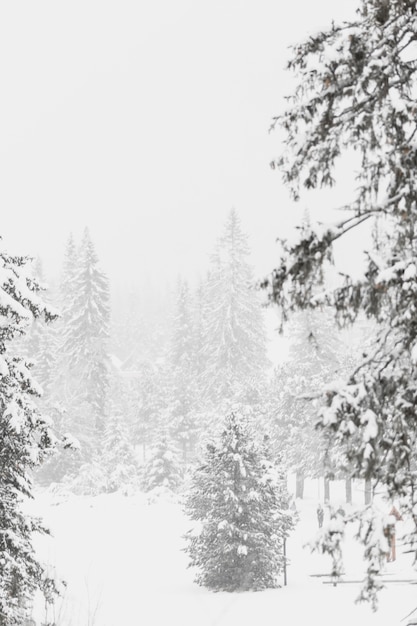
(26, 439)
(357, 91)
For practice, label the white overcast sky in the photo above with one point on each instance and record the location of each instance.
(146, 121)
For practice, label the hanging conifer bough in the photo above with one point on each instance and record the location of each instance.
(25, 439)
(241, 500)
(357, 91)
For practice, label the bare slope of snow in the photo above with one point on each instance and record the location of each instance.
(123, 563)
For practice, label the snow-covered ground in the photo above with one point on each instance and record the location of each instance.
(123, 562)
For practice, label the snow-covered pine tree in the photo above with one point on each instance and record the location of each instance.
(356, 91)
(67, 282)
(149, 400)
(118, 458)
(199, 307)
(41, 345)
(182, 327)
(182, 397)
(87, 332)
(163, 471)
(234, 341)
(26, 439)
(314, 357)
(81, 376)
(62, 394)
(242, 505)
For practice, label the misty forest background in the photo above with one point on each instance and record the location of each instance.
(134, 384)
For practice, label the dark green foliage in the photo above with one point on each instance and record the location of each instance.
(242, 505)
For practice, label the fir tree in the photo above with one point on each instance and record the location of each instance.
(149, 403)
(182, 328)
(183, 374)
(67, 284)
(87, 331)
(355, 90)
(26, 441)
(234, 343)
(163, 470)
(242, 505)
(118, 454)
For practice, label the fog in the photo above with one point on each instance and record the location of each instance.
(146, 122)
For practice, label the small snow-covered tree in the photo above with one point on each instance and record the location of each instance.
(26, 439)
(163, 470)
(118, 454)
(241, 503)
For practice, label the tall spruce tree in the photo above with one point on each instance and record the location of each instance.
(67, 282)
(242, 504)
(182, 400)
(234, 341)
(87, 332)
(356, 90)
(26, 439)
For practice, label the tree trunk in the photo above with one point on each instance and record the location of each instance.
(299, 485)
(348, 490)
(326, 490)
(368, 491)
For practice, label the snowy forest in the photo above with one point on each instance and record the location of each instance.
(230, 430)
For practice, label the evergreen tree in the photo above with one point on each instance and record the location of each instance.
(40, 345)
(87, 332)
(67, 284)
(65, 387)
(26, 441)
(163, 470)
(314, 358)
(242, 505)
(182, 398)
(118, 454)
(149, 398)
(182, 331)
(199, 309)
(355, 90)
(234, 349)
